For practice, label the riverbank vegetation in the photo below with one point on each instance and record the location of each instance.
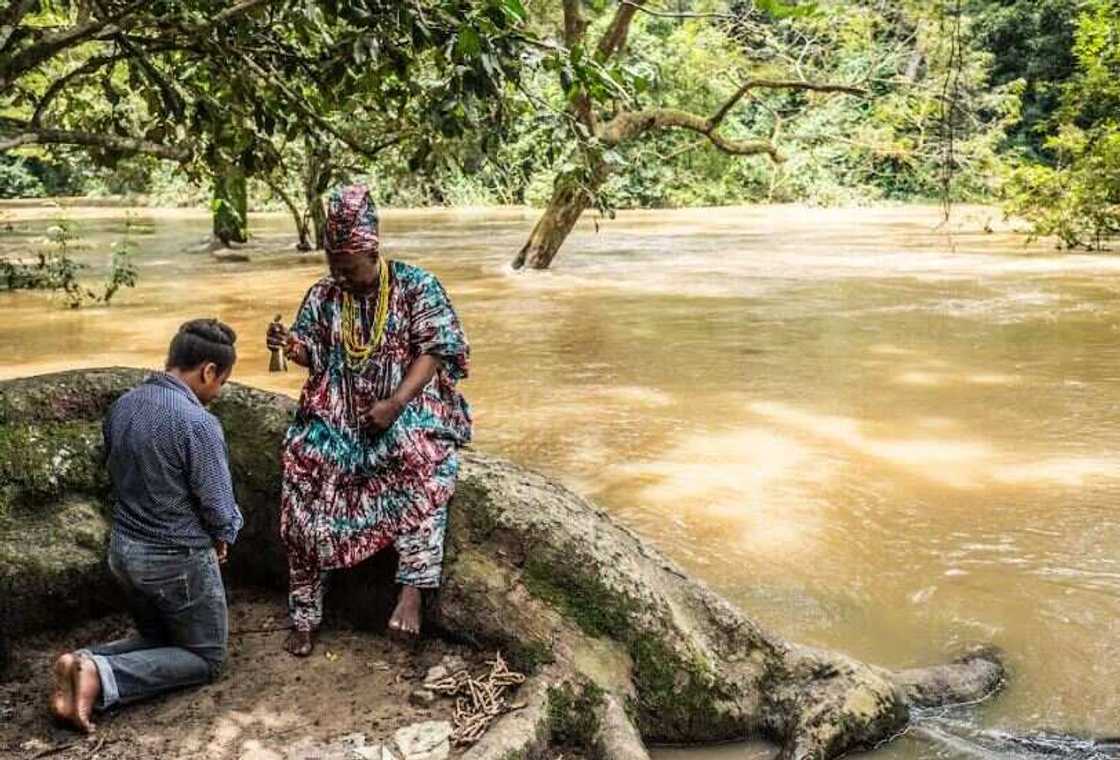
(568, 105)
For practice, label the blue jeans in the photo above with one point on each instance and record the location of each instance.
(178, 602)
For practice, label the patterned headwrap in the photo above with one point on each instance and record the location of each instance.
(352, 225)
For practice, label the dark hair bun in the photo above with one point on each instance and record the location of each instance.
(210, 330)
(200, 341)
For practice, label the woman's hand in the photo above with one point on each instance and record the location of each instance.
(277, 337)
(381, 416)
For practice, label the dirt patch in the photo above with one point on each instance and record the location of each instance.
(266, 704)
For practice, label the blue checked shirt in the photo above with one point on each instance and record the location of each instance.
(169, 464)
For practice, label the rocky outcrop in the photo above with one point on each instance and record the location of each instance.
(622, 648)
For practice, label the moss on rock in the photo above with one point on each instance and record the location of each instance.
(40, 462)
(675, 694)
(574, 715)
(52, 566)
(556, 578)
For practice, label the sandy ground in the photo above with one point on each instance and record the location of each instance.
(267, 705)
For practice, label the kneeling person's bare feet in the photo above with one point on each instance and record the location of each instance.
(405, 621)
(300, 643)
(62, 696)
(87, 688)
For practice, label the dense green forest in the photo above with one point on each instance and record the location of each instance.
(568, 105)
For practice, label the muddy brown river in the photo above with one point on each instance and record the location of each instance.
(871, 431)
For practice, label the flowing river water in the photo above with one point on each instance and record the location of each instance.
(871, 432)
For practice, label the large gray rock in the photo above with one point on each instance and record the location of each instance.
(620, 645)
(424, 741)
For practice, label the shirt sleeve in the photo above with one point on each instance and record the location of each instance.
(311, 329)
(436, 329)
(211, 484)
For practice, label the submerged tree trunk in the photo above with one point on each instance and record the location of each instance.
(557, 222)
(317, 176)
(299, 217)
(230, 206)
(622, 648)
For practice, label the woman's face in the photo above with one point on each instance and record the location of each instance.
(354, 273)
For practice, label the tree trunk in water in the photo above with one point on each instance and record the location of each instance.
(552, 229)
(300, 219)
(304, 243)
(317, 176)
(231, 202)
(318, 220)
(620, 646)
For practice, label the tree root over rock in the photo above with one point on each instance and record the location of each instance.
(621, 647)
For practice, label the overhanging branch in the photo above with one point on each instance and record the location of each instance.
(28, 58)
(39, 136)
(781, 84)
(90, 66)
(14, 67)
(271, 77)
(630, 124)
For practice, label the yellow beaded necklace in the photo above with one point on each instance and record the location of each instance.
(356, 352)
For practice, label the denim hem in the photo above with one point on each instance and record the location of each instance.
(421, 583)
(110, 695)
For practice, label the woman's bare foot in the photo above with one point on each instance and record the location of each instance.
(62, 697)
(87, 688)
(300, 643)
(405, 621)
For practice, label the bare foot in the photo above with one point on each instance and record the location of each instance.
(300, 643)
(62, 697)
(87, 688)
(406, 617)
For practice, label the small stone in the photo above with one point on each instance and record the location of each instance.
(422, 698)
(424, 741)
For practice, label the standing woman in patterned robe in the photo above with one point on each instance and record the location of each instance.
(371, 458)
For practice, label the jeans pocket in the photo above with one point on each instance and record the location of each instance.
(172, 592)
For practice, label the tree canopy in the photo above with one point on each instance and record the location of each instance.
(570, 104)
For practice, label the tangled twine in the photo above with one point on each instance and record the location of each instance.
(478, 701)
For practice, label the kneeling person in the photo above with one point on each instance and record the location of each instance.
(174, 518)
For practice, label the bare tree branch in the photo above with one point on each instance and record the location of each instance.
(33, 135)
(630, 124)
(781, 84)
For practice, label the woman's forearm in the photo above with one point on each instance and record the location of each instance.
(419, 374)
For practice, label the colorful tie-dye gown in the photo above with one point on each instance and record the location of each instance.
(347, 491)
